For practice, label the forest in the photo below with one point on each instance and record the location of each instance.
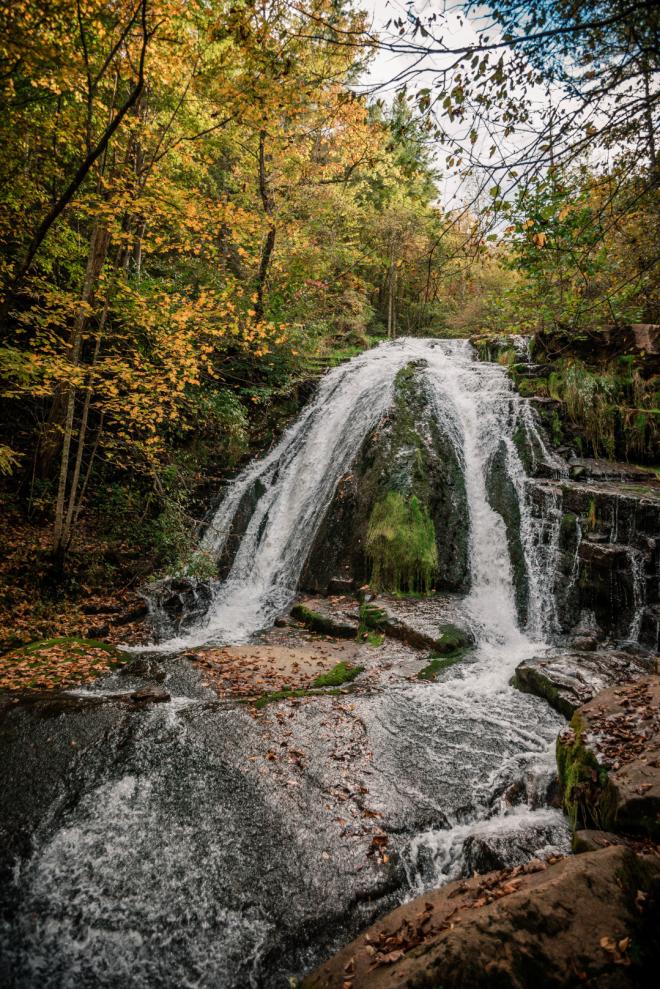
(348, 299)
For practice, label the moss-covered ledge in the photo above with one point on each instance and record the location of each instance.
(609, 761)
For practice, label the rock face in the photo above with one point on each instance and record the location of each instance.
(571, 679)
(408, 453)
(608, 556)
(586, 920)
(609, 760)
(175, 603)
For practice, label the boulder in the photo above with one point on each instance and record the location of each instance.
(175, 602)
(585, 920)
(325, 621)
(609, 760)
(571, 679)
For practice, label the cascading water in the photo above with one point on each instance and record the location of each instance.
(182, 854)
(298, 478)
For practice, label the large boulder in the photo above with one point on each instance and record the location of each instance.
(609, 760)
(408, 453)
(175, 603)
(568, 680)
(588, 920)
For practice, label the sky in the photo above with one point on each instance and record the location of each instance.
(386, 68)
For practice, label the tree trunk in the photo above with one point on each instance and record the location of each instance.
(269, 210)
(95, 261)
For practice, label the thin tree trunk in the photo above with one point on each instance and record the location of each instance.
(96, 258)
(84, 168)
(269, 210)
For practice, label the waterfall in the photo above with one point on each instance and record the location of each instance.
(189, 849)
(295, 482)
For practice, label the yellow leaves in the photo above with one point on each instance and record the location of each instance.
(563, 213)
(540, 239)
(528, 224)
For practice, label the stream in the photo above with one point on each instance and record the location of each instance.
(193, 844)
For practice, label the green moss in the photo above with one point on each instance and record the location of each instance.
(401, 544)
(437, 664)
(375, 638)
(453, 639)
(274, 696)
(339, 674)
(371, 619)
(75, 643)
(589, 800)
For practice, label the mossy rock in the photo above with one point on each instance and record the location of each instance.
(323, 624)
(438, 664)
(408, 457)
(589, 800)
(453, 640)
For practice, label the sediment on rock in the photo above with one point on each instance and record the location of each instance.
(571, 679)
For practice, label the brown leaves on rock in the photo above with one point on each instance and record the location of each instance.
(56, 663)
(620, 736)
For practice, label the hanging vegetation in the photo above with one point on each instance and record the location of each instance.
(401, 544)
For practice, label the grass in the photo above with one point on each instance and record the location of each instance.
(437, 665)
(339, 674)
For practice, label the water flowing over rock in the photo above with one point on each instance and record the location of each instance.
(200, 841)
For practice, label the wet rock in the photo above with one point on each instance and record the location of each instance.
(594, 469)
(145, 667)
(148, 695)
(589, 840)
(571, 679)
(281, 623)
(326, 622)
(504, 499)
(585, 643)
(341, 585)
(571, 923)
(444, 639)
(487, 852)
(176, 602)
(608, 556)
(609, 760)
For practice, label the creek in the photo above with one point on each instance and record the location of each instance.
(164, 847)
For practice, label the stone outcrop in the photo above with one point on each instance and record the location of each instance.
(175, 602)
(586, 920)
(608, 556)
(609, 760)
(568, 680)
(410, 453)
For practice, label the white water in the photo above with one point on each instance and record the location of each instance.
(474, 401)
(186, 863)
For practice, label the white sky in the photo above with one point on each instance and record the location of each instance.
(386, 66)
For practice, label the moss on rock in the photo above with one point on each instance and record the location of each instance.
(589, 800)
(401, 544)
